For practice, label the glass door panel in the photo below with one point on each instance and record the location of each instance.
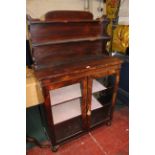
(66, 106)
(101, 100)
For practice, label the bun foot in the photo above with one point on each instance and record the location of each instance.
(108, 123)
(54, 148)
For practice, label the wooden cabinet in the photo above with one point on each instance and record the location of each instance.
(71, 62)
(76, 105)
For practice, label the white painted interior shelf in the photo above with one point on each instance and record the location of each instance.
(71, 109)
(70, 92)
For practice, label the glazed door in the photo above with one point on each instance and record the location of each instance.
(66, 109)
(101, 99)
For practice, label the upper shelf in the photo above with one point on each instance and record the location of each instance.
(72, 40)
(71, 92)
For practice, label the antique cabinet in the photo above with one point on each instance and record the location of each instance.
(74, 69)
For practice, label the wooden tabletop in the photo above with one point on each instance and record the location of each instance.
(33, 89)
(79, 65)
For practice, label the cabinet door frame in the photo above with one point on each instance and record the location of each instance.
(100, 74)
(47, 104)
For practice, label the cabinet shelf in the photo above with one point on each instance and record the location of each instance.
(70, 92)
(71, 40)
(71, 109)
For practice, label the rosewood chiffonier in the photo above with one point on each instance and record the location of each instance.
(79, 79)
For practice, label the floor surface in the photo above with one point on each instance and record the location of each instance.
(112, 140)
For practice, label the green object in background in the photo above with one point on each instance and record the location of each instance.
(35, 125)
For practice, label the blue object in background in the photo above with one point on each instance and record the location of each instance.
(123, 90)
(124, 80)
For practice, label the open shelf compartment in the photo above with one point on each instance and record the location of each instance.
(71, 109)
(70, 92)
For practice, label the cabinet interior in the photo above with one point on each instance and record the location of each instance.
(66, 101)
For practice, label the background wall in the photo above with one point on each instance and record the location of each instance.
(37, 8)
(124, 12)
